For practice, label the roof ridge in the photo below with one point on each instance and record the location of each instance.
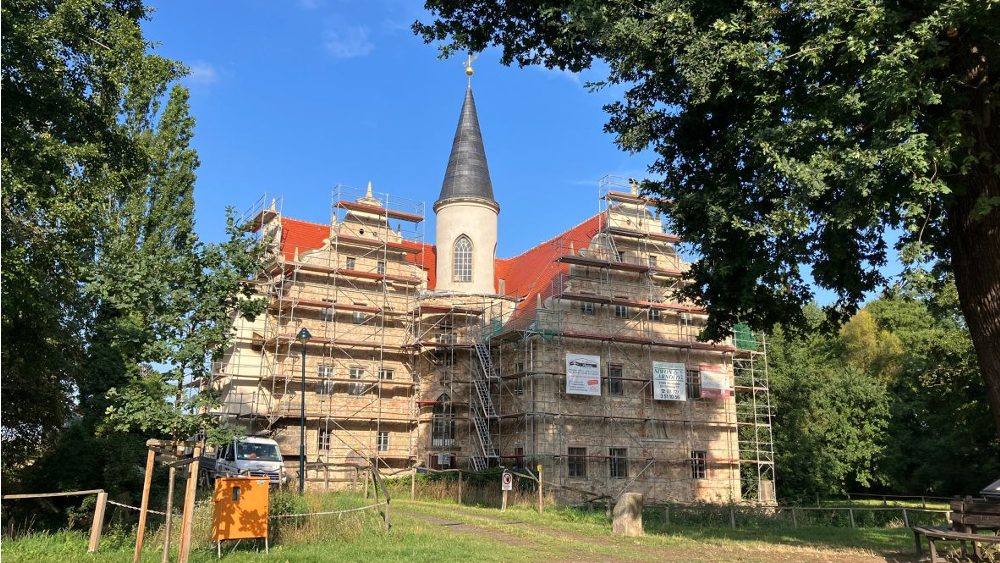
(304, 221)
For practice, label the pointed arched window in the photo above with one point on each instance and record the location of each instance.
(443, 423)
(462, 260)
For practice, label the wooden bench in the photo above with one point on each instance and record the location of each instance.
(971, 514)
(940, 533)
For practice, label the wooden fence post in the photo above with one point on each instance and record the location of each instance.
(906, 520)
(191, 491)
(144, 505)
(732, 515)
(169, 517)
(795, 520)
(540, 507)
(98, 526)
(850, 513)
(459, 486)
(666, 515)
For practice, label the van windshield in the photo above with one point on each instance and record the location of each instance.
(259, 452)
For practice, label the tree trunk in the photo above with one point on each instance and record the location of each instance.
(974, 239)
(975, 256)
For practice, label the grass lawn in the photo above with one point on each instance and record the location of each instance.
(445, 531)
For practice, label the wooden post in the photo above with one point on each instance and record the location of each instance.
(540, 507)
(666, 515)
(326, 477)
(98, 526)
(817, 501)
(413, 483)
(144, 505)
(923, 502)
(503, 502)
(795, 520)
(459, 486)
(170, 515)
(850, 512)
(188, 514)
(366, 484)
(732, 515)
(906, 520)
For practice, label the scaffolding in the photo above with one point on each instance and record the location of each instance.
(406, 376)
(612, 295)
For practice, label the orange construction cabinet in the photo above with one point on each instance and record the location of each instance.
(240, 508)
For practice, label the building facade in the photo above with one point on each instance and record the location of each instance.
(574, 354)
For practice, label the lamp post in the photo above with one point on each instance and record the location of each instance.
(303, 337)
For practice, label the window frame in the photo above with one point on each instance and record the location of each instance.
(576, 463)
(587, 308)
(462, 259)
(621, 311)
(351, 263)
(699, 465)
(325, 373)
(323, 439)
(382, 441)
(443, 422)
(616, 384)
(358, 389)
(618, 463)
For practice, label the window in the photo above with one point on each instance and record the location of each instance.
(685, 319)
(385, 374)
(444, 357)
(325, 384)
(694, 384)
(615, 384)
(654, 315)
(462, 258)
(351, 263)
(621, 311)
(576, 462)
(326, 313)
(618, 463)
(443, 422)
(652, 261)
(699, 465)
(519, 385)
(518, 458)
(356, 388)
(359, 317)
(380, 268)
(620, 256)
(323, 442)
(383, 441)
(587, 308)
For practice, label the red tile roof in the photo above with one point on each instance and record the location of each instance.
(527, 275)
(301, 236)
(530, 274)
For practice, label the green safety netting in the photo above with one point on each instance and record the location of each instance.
(744, 338)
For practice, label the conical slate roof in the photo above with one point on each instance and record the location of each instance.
(468, 175)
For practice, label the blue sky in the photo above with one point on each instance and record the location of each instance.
(293, 98)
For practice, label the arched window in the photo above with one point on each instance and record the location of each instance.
(443, 423)
(462, 260)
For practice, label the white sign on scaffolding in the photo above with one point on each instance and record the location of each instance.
(583, 374)
(715, 381)
(669, 381)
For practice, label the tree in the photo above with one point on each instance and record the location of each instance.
(791, 136)
(69, 69)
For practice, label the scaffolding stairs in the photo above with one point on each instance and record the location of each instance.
(482, 408)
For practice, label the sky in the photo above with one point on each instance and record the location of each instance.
(294, 98)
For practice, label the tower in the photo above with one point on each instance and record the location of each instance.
(466, 234)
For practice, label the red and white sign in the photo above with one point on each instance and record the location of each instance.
(506, 481)
(715, 380)
(583, 374)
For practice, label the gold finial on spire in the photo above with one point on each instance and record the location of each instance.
(468, 67)
(368, 194)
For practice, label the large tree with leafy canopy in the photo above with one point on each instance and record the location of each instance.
(792, 138)
(105, 282)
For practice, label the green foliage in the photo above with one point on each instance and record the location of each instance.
(113, 307)
(894, 402)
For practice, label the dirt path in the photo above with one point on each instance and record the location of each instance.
(572, 547)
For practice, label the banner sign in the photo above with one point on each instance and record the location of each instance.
(669, 382)
(583, 374)
(715, 381)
